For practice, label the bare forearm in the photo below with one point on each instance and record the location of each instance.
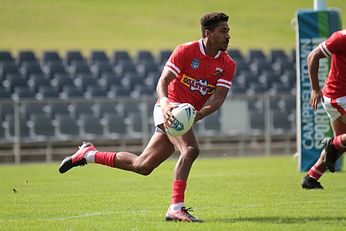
(210, 108)
(313, 66)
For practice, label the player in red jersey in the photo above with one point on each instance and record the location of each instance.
(333, 98)
(194, 72)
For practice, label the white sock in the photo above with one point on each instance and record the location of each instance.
(90, 156)
(177, 206)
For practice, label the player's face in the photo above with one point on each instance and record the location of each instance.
(221, 36)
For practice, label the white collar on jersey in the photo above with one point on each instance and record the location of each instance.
(201, 48)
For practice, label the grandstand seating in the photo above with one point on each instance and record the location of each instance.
(52, 76)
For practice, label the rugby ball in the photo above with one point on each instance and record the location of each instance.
(184, 115)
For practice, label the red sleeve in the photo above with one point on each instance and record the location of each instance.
(176, 61)
(334, 44)
(227, 75)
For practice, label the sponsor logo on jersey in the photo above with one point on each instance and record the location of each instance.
(195, 63)
(200, 85)
(218, 71)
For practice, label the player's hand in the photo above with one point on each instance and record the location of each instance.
(168, 117)
(315, 97)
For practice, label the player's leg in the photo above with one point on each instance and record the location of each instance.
(336, 113)
(158, 149)
(336, 146)
(189, 151)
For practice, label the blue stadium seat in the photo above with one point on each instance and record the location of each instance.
(145, 56)
(41, 127)
(282, 122)
(121, 56)
(51, 57)
(100, 69)
(79, 108)
(143, 90)
(13, 81)
(242, 67)
(79, 69)
(6, 109)
(114, 125)
(38, 80)
(55, 109)
(8, 69)
(47, 92)
(66, 127)
(164, 56)
(102, 108)
(83, 81)
(71, 92)
(147, 68)
(134, 124)
(90, 126)
(257, 122)
(56, 68)
(94, 91)
(258, 66)
(277, 54)
(132, 79)
(61, 80)
(124, 68)
(4, 94)
(256, 54)
(74, 56)
(30, 69)
(28, 109)
(21, 92)
(212, 124)
(6, 57)
(128, 108)
(236, 54)
(98, 56)
(281, 66)
(26, 56)
(9, 126)
(108, 80)
(118, 90)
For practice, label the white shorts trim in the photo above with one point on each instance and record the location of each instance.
(334, 108)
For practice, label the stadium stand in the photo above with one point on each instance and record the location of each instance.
(55, 80)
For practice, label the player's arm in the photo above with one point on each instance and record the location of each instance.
(219, 97)
(313, 66)
(162, 93)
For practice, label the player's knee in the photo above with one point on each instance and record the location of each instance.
(143, 169)
(191, 152)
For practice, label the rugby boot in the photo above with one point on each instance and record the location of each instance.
(181, 215)
(77, 159)
(331, 153)
(310, 183)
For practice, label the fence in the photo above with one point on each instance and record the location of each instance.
(33, 130)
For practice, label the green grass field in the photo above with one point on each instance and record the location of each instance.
(255, 193)
(149, 24)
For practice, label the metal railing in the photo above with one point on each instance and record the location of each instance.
(257, 125)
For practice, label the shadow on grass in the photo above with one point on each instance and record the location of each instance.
(281, 220)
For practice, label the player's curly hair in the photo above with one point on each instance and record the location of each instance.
(211, 20)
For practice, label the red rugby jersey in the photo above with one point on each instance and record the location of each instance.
(335, 46)
(197, 75)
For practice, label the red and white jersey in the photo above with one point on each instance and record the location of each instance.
(335, 46)
(197, 75)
